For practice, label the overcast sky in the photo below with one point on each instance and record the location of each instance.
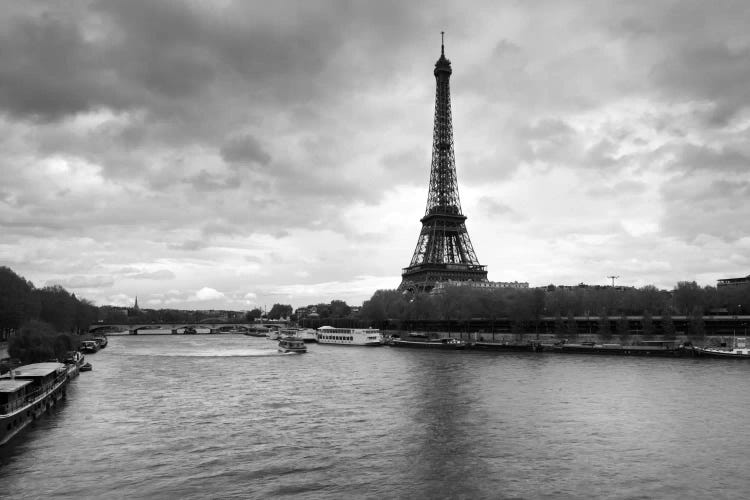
(239, 154)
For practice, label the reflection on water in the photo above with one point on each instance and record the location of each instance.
(227, 416)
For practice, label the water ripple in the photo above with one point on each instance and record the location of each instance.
(225, 417)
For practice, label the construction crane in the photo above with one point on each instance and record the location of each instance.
(613, 278)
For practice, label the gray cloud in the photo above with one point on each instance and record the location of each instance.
(724, 159)
(136, 131)
(190, 245)
(162, 274)
(83, 282)
(498, 210)
(244, 149)
(716, 208)
(49, 70)
(208, 182)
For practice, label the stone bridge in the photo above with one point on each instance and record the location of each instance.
(179, 328)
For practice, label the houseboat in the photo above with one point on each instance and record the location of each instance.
(89, 347)
(28, 391)
(257, 331)
(349, 336)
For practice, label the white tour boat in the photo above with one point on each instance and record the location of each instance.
(349, 336)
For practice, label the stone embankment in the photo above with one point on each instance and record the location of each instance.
(551, 338)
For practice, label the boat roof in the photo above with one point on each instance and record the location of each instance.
(327, 327)
(12, 384)
(37, 370)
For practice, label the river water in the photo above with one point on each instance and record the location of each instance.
(226, 416)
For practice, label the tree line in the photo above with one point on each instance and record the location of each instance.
(21, 302)
(531, 304)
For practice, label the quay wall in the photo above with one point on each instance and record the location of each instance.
(551, 338)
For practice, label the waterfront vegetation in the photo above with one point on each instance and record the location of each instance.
(523, 310)
(44, 321)
(38, 341)
(41, 319)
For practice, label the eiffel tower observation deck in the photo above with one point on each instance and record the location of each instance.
(444, 251)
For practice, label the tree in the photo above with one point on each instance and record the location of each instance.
(687, 296)
(623, 329)
(253, 314)
(339, 309)
(85, 314)
(604, 331)
(572, 326)
(279, 311)
(38, 341)
(696, 326)
(58, 307)
(559, 326)
(667, 325)
(17, 301)
(374, 310)
(647, 324)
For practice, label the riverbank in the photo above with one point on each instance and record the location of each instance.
(552, 338)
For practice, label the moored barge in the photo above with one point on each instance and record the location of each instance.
(27, 392)
(656, 348)
(533, 346)
(421, 341)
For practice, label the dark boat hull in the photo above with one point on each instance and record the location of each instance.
(718, 354)
(491, 346)
(448, 346)
(676, 352)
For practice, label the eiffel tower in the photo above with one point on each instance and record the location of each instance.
(444, 251)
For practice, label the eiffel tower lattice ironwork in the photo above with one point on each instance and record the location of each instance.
(444, 251)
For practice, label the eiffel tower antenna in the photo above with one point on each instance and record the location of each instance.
(444, 251)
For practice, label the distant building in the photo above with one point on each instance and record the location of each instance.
(304, 312)
(551, 287)
(732, 282)
(483, 285)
